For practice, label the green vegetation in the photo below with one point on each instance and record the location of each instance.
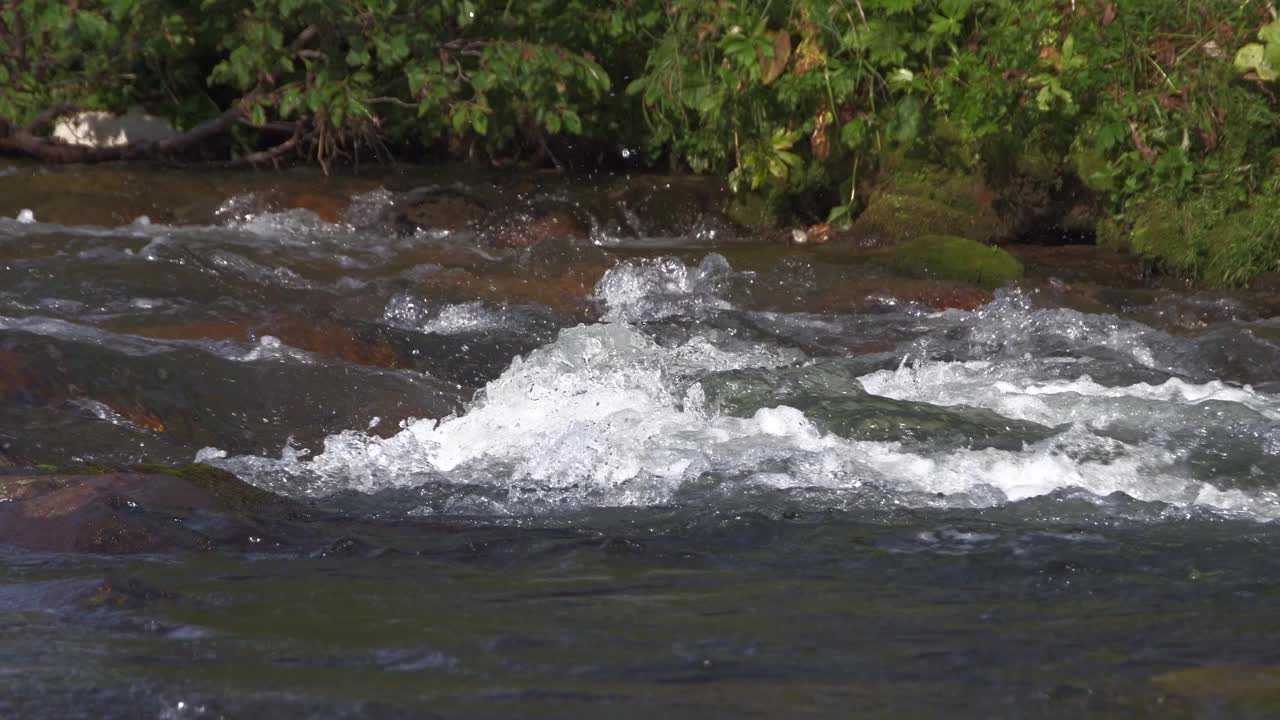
(1154, 107)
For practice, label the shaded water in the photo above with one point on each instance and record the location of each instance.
(629, 462)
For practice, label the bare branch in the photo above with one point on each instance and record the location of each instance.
(391, 101)
(271, 154)
(48, 116)
(28, 141)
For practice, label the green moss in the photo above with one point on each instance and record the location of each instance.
(1213, 237)
(1112, 234)
(755, 210)
(957, 258)
(81, 469)
(1164, 233)
(895, 217)
(1091, 166)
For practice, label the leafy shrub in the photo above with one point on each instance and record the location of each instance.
(798, 100)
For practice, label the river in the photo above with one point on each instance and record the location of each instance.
(590, 460)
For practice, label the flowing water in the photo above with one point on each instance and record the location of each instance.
(627, 470)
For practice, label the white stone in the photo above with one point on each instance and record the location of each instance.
(103, 129)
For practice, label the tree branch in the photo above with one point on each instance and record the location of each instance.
(28, 141)
(270, 154)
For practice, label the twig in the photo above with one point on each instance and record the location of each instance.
(391, 101)
(271, 154)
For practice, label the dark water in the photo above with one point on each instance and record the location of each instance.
(628, 463)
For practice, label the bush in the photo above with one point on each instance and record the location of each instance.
(798, 100)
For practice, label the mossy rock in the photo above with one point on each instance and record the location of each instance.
(926, 201)
(1162, 231)
(1215, 238)
(957, 258)
(1112, 234)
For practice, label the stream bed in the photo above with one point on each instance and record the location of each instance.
(586, 449)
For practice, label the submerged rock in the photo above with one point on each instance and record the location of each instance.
(144, 509)
(830, 396)
(536, 224)
(1244, 684)
(437, 209)
(669, 206)
(957, 258)
(105, 400)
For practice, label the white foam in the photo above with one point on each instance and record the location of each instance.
(1012, 390)
(411, 313)
(271, 348)
(662, 288)
(607, 416)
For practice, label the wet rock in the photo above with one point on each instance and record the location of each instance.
(957, 258)
(672, 206)
(140, 510)
(315, 335)
(566, 291)
(926, 201)
(115, 593)
(859, 415)
(329, 207)
(437, 209)
(168, 404)
(871, 294)
(535, 225)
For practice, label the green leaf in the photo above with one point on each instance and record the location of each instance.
(907, 117)
(854, 133)
(358, 56)
(1249, 57)
(1256, 57)
(290, 100)
(417, 78)
(480, 123)
(1270, 33)
(572, 122)
(1272, 57)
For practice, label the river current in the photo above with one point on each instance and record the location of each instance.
(635, 472)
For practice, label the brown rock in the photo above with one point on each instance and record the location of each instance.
(858, 295)
(315, 335)
(329, 207)
(135, 511)
(534, 226)
(434, 209)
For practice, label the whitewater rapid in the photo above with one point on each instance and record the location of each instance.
(616, 413)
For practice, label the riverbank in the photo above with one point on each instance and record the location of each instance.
(1148, 130)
